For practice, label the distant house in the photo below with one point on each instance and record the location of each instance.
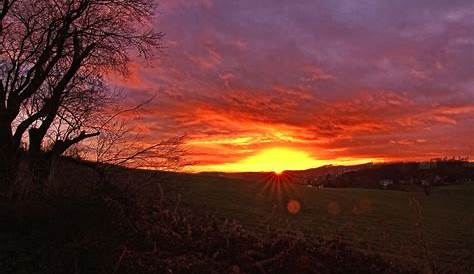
(385, 183)
(469, 164)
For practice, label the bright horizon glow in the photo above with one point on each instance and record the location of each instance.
(273, 159)
(277, 160)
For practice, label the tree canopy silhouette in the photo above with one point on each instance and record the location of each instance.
(53, 56)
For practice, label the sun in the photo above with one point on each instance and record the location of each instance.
(278, 171)
(277, 160)
(280, 159)
(274, 160)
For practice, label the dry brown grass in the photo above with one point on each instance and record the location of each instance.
(118, 227)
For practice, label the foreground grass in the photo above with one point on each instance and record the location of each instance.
(142, 223)
(151, 222)
(435, 230)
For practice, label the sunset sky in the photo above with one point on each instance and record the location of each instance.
(272, 85)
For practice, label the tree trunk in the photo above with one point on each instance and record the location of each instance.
(39, 165)
(9, 159)
(9, 162)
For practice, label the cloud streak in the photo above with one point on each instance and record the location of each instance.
(337, 79)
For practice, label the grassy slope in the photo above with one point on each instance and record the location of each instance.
(383, 221)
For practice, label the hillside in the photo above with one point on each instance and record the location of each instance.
(149, 221)
(154, 222)
(400, 176)
(403, 225)
(296, 176)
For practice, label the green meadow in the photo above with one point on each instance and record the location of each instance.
(435, 229)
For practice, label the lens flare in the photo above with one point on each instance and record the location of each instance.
(293, 206)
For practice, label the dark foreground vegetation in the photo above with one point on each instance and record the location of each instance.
(130, 223)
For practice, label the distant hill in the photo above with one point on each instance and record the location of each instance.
(316, 174)
(295, 176)
(401, 175)
(370, 175)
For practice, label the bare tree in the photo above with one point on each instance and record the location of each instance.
(4, 7)
(119, 145)
(80, 110)
(53, 54)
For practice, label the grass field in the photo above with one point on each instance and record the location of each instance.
(436, 229)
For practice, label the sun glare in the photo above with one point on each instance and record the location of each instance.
(276, 160)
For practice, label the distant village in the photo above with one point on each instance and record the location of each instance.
(396, 176)
(391, 176)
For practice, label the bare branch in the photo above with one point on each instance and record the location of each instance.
(53, 55)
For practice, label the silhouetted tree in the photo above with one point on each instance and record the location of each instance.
(53, 55)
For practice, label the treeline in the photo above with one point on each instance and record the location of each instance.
(401, 175)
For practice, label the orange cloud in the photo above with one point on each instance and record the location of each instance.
(242, 77)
